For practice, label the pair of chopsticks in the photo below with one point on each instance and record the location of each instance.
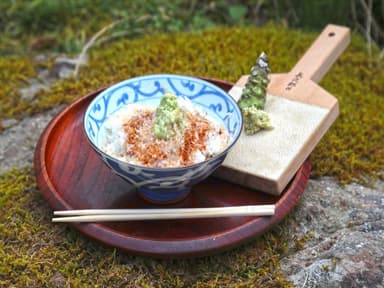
(102, 215)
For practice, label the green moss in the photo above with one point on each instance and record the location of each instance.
(37, 253)
(14, 73)
(351, 150)
(299, 243)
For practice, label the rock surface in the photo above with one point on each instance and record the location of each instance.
(63, 67)
(18, 140)
(17, 143)
(337, 233)
(342, 230)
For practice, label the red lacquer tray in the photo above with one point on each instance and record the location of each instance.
(71, 176)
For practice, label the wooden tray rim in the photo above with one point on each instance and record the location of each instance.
(161, 248)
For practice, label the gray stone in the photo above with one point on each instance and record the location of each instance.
(17, 143)
(64, 67)
(7, 123)
(41, 58)
(65, 72)
(29, 92)
(18, 140)
(346, 243)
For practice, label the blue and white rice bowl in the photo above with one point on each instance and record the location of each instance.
(162, 185)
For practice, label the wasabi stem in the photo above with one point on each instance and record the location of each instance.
(170, 119)
(252, 101)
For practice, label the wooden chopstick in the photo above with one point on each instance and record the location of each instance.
(101, 215)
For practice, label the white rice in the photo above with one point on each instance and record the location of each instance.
(112, 139)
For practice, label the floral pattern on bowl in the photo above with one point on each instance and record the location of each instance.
(162, 185)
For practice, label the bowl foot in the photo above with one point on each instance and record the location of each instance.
(163, 196)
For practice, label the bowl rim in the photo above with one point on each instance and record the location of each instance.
(164, 169)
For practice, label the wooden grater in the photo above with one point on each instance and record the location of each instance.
(300, 111)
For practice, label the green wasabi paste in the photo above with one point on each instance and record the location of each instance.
(170, 119)
(255, 120)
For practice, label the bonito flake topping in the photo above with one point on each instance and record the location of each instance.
(130, 136)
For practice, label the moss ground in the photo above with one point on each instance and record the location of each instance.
(14, 73)
(36, 253)
(351, 150)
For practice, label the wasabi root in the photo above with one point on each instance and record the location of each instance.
(253, 98)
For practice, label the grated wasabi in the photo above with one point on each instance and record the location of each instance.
(170, 119)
